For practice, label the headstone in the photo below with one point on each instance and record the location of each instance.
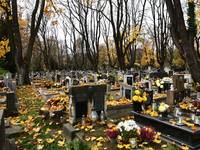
(126, 90)
(85, 79)
(104, 76)
(187, 78)
(111, 80)
(95, 77)
(68, 81)
(128, 79)
(10, 101)
(2, 131)
(178, 82)
(148, 84)
(170, 73)
(75, 82)
(83, 98)
(58, 77)
(149, 98)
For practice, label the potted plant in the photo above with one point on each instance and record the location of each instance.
(147, 134)
(160, 85)
(112, 133)
(128, 129)
(163, 109)
(139, 96)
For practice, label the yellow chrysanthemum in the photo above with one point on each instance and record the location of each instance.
(144, 94)
(137, 92)
(135, 98)
(140, 99)
(144, 98)
(162, 103)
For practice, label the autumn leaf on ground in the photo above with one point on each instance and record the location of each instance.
(49, 140)
(194, 128)
(184, 148)
(39, 147)
(87, 139)
(39, 140)
(163, 146)
(93, 138)
(100, 138)
(99, 144)
(60, 143)
(60, 131)
(120, 146)
(127, 146)
(110, 125)
(94, 147)
(157, 141)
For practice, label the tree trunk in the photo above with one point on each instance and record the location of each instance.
(183, 39)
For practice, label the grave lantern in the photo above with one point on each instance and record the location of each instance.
(102, 116)
(180, 118)
(176, 110)
(196, 119)
(153, 105)
(93, 115)
(192, 114)
(83, 119)
(190, 104)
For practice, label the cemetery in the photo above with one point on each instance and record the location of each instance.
(100, 75)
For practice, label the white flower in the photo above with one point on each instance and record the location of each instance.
(161, 86)
(162, 82)
(162, 108)
(158, 84)
(166, 105)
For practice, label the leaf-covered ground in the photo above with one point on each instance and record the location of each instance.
(39, 134)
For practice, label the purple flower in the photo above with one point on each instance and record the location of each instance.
(195, 104)
(0, 81)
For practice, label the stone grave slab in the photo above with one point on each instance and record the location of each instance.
(49, 95)
(178, 82)
(187, 78)
(2, 131)
(178, 134)
(83, 98)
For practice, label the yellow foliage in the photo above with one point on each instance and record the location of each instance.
(177, 61)
(4, 48)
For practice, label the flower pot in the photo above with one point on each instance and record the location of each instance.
(113, 140)
(159, 90)
(125, 142)
(137, 107)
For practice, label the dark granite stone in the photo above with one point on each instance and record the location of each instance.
(178, 134)
(2, 131)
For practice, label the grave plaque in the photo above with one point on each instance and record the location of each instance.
(75, 82)
(111, 79)
(128, 93)
(104, 76)
(81, 105)
(99, 101)
(149, 98)
(130, 80)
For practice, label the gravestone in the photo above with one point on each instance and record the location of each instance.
(85, 79)
(178, 82)
(95, 77)
(104, 76)
(58, 77)
(2, 131)
(187, 78)
(170, 73)
(83, 98)
(111, 80)
(148, 84)
(68, 81)
(75, 82)
(126, 90)
(128, 79)
(149, 98)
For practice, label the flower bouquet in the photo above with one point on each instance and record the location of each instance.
(112, 132)
(197, 87)
(1, 83)
(91, 79)
(160, 85)
(147, 134)
(127, 129)
(139, 96)
(163, 109)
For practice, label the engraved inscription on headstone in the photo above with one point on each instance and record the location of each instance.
(81, 104)
(130, 80)
(99, 101)
(128, 93)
